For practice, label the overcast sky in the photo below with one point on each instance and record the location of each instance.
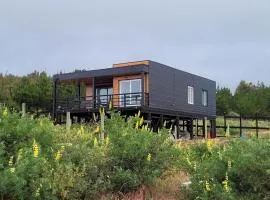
(224, 40)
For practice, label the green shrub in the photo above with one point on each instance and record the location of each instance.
(41, 161)
(238, 169)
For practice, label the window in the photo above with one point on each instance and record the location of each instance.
(103, 95)
(130, 92)
(204, 98)
(190, 95)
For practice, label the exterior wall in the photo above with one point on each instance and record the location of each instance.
(88, 92)
(116, 87)
(168, 90)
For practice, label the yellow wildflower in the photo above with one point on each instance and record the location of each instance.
(195, 167)
(35, 149)
(188, 160)
(149, 157)
(139, 113)
(141, 121)
(137, 125)
(209, 144)
(97, 129)
(95, 142)
(207, 186)
(12, 169)
(164, 124)
(226, 183)
(10, 162)
(110, 105)
(58, 155)
(107, 140)
(229, 164)
(5, 112)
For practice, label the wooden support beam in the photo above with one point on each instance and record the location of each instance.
(142, 88)
(93, 93)
(205, 127)
(177, 127)
(54, 98)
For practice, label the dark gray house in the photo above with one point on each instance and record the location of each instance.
(160, 92)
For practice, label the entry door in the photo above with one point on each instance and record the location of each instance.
(130, 92)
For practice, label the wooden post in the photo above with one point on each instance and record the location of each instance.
(142, 89)
(68, 122)
(240, 120)
(23, 109)
(197, 127)
(257, 129)
(102, 119)
(177, 128)
(54, 99)
(205, 127)
(225, 123)
(93, 93)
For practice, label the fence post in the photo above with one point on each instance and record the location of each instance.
(225, 123)
(240, 118)
(257, 129)
(23, 109)
(68, 122)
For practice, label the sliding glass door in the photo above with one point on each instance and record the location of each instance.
(130, 92)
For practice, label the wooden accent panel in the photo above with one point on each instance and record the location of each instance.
(116, 86)
(144, 62)
(88, 92)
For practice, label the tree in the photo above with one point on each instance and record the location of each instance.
(224, 100)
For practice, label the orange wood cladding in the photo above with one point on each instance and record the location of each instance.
(88, 92)
(144, 62)
(116, 87)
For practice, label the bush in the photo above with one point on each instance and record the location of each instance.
(238, 169)
(41, 161)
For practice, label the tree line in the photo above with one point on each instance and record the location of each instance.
(35, 90)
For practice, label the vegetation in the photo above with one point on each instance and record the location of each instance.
(248, 99)
(41, 161)
(236, 169)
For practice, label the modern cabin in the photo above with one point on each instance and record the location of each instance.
(160, 92)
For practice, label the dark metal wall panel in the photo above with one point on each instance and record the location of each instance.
(168, 90)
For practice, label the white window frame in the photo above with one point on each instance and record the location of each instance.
(190, 95)
(205, 98)
(130, 97)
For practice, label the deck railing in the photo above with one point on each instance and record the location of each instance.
(125, 100)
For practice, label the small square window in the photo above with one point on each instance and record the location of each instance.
(190, 95)
(204, 98)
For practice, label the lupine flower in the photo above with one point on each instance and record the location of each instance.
(5, 112)
(209, 144)
(188, 160)
(207, 186)
(219, 155)
(58, 155)
(10, 162)
(95, 142)
(229, 164)
(137, 125)
(141, 121)
(148, 157)
(110, 105)
(107, 140)
(97, 129)
(35, 149)
(226, 183)
(195, 167)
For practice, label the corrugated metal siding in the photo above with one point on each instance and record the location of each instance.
(168, 90)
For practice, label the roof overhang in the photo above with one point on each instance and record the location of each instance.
(116, 71)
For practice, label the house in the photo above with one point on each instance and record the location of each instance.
(160, 92)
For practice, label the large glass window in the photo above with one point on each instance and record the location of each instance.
(190, 95)
(130, 92)
(204, 98)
